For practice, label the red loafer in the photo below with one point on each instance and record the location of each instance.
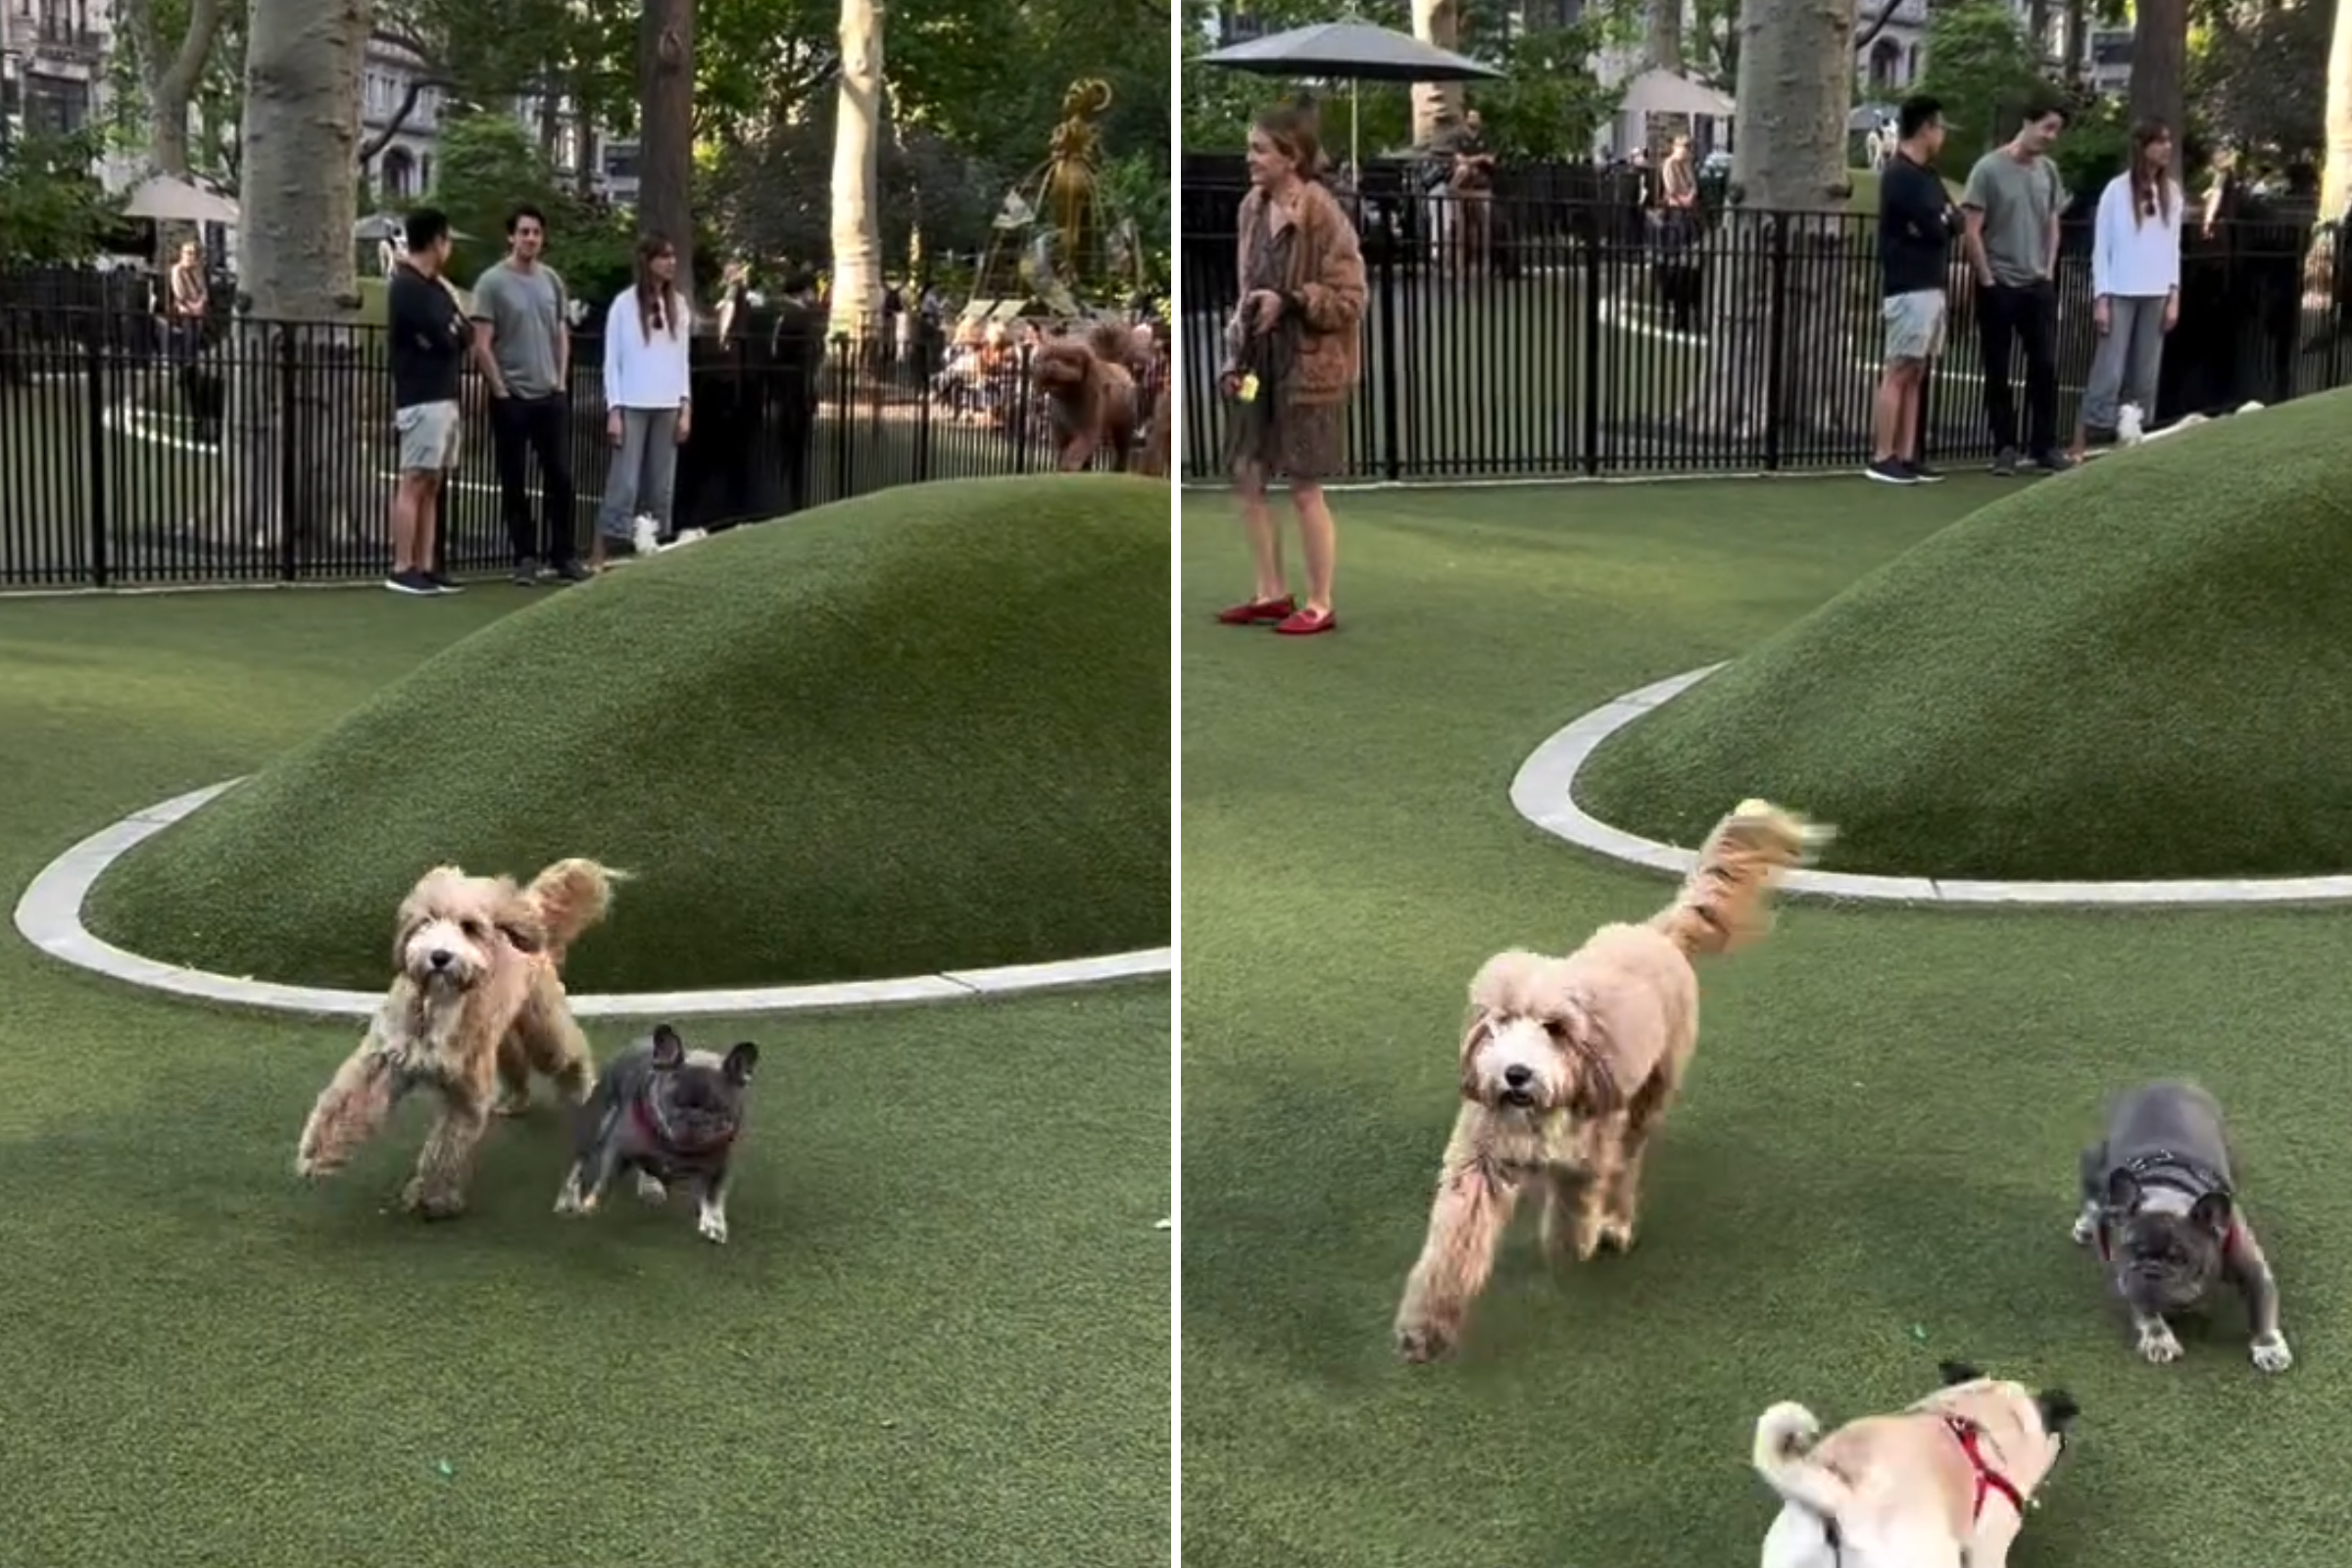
(1307, 623)
(1257, 612)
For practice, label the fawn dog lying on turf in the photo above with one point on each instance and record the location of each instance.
(476, 1004)
(1569, 1065)
(1941, 1485)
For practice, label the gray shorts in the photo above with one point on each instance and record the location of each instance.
(428, 438)
(1914, 324)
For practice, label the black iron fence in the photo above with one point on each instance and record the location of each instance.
(1532, 336)
(137, 455)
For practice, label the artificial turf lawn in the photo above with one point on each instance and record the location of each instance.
(2137, 670)
(939, 1334)
(924, 730)
(1879, 1131)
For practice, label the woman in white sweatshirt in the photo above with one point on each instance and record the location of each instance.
(649, 335)
(2135, 282)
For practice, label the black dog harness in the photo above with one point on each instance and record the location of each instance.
(2162, 1168)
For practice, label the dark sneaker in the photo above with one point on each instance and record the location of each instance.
(527, 573)
(411, 582)
(2052, 461)
(2004, 461)
(1925, 474)
(569, 571)
(1889, 470)
(444, 583)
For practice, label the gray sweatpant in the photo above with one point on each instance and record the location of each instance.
(644, 471)
(2129, 358)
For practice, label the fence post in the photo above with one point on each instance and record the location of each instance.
(1589, 414)
(1392, 424)
(1776, 337)
(94, 432)
(844, 412)
(289, 447)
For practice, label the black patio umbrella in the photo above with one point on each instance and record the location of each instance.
(1351, 52)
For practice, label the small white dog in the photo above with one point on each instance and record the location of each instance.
(1941, 1485)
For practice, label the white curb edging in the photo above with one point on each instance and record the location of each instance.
(1542, 792)
(49, 915)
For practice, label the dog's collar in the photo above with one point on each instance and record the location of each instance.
(1989, 1481)
(649, 1122)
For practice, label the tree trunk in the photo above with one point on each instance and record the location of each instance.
(2077, 40)
(2037, 27)
(1436, 22)
(665, 121)
(1777, 271)
(168, 70)
(2336, 179)
(2160, 68)
(301, 387)
(857, 298)
(1662, 35)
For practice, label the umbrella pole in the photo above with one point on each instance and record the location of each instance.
(1356, 127)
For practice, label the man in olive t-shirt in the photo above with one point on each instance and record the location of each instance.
(522, 344)
(2010, 206)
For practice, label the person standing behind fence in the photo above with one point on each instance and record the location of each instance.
(1293, 353)
(797, 355)
(186, 299)
(427, 333)
(2010, 206)
(2134, 284)
(1915, 244)
(648, 395)
(522, 342)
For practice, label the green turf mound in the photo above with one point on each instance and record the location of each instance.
(925, 729)
(2139, 670)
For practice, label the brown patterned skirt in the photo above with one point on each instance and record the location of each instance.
(1304, 443)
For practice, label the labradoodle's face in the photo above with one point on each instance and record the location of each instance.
(1515, 1063)
(455, 930)
(1062, 366)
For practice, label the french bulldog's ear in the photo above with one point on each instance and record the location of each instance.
(669, 1052)
(740, 1063)
(2123, 1192)
(1954, 1372)
(2214, 1212)
(2058, 1410)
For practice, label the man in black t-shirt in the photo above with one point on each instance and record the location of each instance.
(427, 335)
(1915, 241)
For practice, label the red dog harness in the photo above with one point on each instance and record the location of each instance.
(1989, 1481)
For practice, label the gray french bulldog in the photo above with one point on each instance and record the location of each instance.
(2159, 1200)
(669, 1113)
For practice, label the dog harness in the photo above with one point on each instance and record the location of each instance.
(2163, 1168)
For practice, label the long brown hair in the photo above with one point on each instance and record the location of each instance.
(1297, 132)
(2151, 192)
(657, 305)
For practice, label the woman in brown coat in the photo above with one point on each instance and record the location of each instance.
(1293, 353)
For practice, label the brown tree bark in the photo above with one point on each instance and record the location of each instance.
(1662, 35)
(2159, 67)
(299, 384)
(2335, 178)
(856, 302)
(1777, 266)
(168, 70)
(1436, 22)
(666, 127)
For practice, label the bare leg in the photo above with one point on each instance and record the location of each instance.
(1320, 540)
(404, 494)
(1888, 434)
(1257, 525)
(1465, 1224)
(429, 520)
(1906, 417)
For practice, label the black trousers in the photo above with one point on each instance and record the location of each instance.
(2027, 314)
(521, 428)
(796, 445)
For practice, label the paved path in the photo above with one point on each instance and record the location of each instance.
(1541, 792)
(49, 915)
